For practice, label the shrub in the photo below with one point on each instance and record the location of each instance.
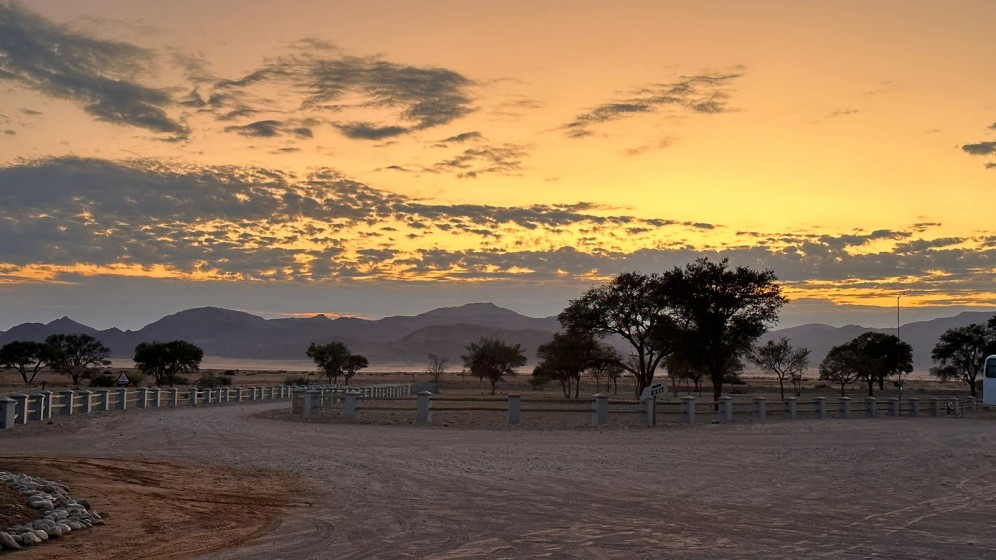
(103, 380)
(230, 372)
(210, 380)
(291, 380)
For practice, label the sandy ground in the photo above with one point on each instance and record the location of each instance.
(225, 483)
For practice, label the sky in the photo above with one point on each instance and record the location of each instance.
(383, 158)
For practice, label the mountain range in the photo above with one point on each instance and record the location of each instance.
(406, 340)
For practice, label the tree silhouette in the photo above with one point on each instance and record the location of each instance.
(492, 359)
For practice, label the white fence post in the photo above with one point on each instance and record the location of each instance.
(141, 397)
(123, 398)
(844, 407)
(48, 404)
(871, 407)
(349, 405)
(513, 410)
(68, 401)
(914, 405)
(601, 417)
(38, 410)
(725, 413)
(935, 407)
(760, 409)
(820, 404)
(20, 408)
(893, 406)
(192, 396)
(8, 413)
(688, 408)
(87, 399)
(790, 408)
(649, 406)
(103, 400)
(423, 407)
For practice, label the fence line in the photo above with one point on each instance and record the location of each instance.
(686, 409)
(19, 408)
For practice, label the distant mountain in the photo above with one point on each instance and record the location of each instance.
(405, 340)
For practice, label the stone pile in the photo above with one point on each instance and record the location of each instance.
(62, 514)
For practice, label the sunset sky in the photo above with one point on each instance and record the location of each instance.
(376, 158)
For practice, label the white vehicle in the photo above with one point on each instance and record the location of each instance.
(989, 381)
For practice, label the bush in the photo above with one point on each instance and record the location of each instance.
(291, 380)
(230, 372)
(103, 380)
(210, 381)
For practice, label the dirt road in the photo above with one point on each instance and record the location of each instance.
(891, 487)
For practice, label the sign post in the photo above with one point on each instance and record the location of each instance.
(123, 380)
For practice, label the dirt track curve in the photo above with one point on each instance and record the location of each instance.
(218, 483)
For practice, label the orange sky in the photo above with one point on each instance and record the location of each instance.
(374, 158)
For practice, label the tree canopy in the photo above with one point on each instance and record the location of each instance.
(330, 358)
(165, 360)
(960, 353)
(74, 354)
(783, 360)
(841, 366)
(354, 363)
(569, 354)
(493, 359)
(27, 357)
(874, 357)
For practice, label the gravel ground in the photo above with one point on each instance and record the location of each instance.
(229, 483)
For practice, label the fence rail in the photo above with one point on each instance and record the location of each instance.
(19, 408)
(685, 409)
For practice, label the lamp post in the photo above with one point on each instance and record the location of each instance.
(899, 372)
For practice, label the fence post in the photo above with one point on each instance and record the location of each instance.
(649, 406)
(893, 406)
(20, 408)
(238, 394)
(790, 408)
(174, 396)
(141, 397)
(156, 393)
(38, 413)
(68, 401)
(48, 404)
(688, 408)
(935, 407)
(821, 406)
(192, 396)
(871, 407)
(970, 405)
(123, 398)
(914, 406)
(725, 412)
(86, 397)
(8, 412)
(601, 407)
(844, 407)
(103, 400)
(309, 402)
(760, 409)
(513, 410)
(423, 407)
(349, 405)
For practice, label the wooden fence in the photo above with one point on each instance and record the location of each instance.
(19, 408)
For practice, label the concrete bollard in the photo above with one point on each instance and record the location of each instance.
(893, 407)
(37, 406)
(871, 407)
(844, 407)
(47, 395)
(760, 409)
(350, 405)
(688, 409)
(790, 409)
(820, 404)
(513, 410)
(155, 395)
(8, 413)
(141, 397)
(649, 405)
(238, 394)
(192, 396)
(86, 400)
(103, 400)
(20, 407)
(601, 410)
(914, 406)
(725, 413)
(122, 398)
(174, 396)
(310, 400)
(935, 407)
(970, 405)
(423, 407)
(68, 400)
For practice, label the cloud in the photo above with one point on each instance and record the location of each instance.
(980, 148)
(368, 131)
(505, 159)
(270, 129)
(462, 137)
(705, 93)
(101, 76)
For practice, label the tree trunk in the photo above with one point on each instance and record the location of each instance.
(842, 389)
(871, 387)
(577, 386)
(781, 387)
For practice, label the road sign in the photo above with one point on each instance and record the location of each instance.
(123, 380)
(655, 390)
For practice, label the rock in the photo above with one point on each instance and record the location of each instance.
(40, 534)
(7, 542)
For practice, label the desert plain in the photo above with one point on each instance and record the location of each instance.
(248, 481)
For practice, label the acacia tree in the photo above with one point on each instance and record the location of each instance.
(961, 352)
(492, 359)
(74, 354)
(842, 366)
(632, 307)
(27, 357)
(882, 355)
(783, 360)
(437, 366)
(354, 363)
(569, 354)
(719, 313)
(164, 360)
(330, 358)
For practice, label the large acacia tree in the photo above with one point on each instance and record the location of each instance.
(876, 356)
(493, 359)
(718, 314)
(75, 354)
(164, 360)
(961, 352)
(27, 357)
(633, 307)
(569, 354)
(330, 358)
